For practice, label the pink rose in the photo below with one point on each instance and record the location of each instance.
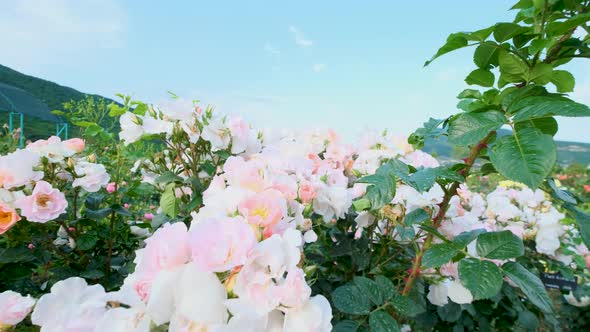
(14, 307)
(264, 209)
(166, 249)
(44, 204)
(220, 244)
(306, 192)
(75, 144)
(8, 217)
(148, 216)
(111, 187)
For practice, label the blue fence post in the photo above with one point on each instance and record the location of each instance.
(62, 128)
(21, 136)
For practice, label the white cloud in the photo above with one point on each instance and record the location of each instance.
(42, 31)
(268, 48)
(299, 37)
(318, 67)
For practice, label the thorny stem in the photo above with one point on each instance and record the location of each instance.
(443, 206)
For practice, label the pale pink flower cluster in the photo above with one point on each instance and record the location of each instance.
(22, 186)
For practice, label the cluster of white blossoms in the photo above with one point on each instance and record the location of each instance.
(527, 213)
(23, 185)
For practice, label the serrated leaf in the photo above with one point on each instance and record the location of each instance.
(439, 254)
(349, 299)
(465, 238)
(482, 278)
(482, 77)
(346, 326)
(370, 288)
(86, 241)
(486, 55)
(545, 106)
(541, 73)
(499, 245)
(545, 125)
(527, 156)
(406, 306)
(470, 128)
(381, 321)
(506, 31)
(512, 68)
(386, 287)
(530, 284)
(382, 185)
(417, 216)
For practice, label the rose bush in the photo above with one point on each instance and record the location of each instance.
(180, 218)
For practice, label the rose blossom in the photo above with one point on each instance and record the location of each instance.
(8, 217)
(14, 307)
(75, 144)
(44, 204)
(220, 244)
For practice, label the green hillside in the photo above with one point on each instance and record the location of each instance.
(36, 98)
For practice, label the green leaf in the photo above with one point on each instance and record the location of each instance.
(92, 274)
(506, 31)
(116, 110)
(481, 77)
(530, 285)
(499, 245)
(545, 125)
(563, 80)
(560, 28)
(361, 204)
(486, 55)
(465, 238)
(583, 221)
(430, 129)
(386, 287)
(381, 321)
(370, 288)
(541, 73)
(470, 128)
(406, 306)
(482, 278)
(382, 185)
(416, 217)
(168, 177)
(454, 41)
(86, 241)
(346, 326)
(512, 68)
(514, 94)
(168, 201)
(439, 254)
(349, 299)
(16, 255)
(527, 156)
(469, 94)
(545, 106)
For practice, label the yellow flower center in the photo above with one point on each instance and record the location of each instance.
(42, 200)
(5, 218)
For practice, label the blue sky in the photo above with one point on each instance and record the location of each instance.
(345, 65)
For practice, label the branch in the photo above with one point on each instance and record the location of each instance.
(443, 206)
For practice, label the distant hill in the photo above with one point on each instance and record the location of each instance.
(567, 152)
(45, 95)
